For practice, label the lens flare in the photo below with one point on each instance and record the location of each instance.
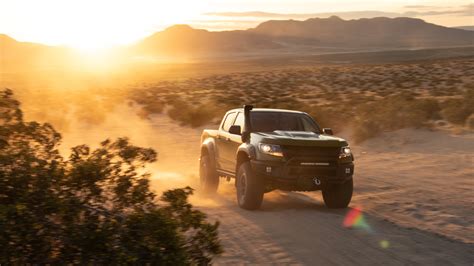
(384, 244)
(355, 219)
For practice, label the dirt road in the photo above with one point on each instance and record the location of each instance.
(292, 228)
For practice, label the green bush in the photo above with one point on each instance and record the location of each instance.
(95, 207)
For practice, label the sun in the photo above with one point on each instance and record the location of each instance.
(91, 45)
(89, 25)
(94, 34)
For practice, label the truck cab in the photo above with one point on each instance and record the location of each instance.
(265, 149)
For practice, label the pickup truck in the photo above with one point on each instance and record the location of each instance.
(266, 149)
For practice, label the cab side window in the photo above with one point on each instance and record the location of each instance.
(240, 121)
(229, 120)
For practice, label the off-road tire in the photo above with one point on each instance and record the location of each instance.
(338, 196)
(250, 188)
(208, 176)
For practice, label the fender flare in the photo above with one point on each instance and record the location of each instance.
(248, 150)
(209, 145)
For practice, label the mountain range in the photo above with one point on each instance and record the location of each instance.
(15, 55)
(465, 28)
(311, 34)
(315, 35)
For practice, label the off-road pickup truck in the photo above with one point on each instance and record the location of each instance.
(267, 149)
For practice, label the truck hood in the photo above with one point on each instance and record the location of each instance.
(300, 138)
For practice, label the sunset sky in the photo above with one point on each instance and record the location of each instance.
(101, 23)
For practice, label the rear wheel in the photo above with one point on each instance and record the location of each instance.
(337, 196)
(208, 176)
(250, 188)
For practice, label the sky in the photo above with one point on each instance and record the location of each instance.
(102, 23)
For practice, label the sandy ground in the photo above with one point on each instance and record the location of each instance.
(413, 189)
(293, 229)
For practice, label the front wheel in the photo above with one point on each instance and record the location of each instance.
(250, 188)
(338, 196)
(208, 176)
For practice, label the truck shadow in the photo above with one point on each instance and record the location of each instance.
(277, 200)
(280, 201)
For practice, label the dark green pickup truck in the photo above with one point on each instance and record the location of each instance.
(267, 149)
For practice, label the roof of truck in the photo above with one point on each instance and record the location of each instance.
(266, 110)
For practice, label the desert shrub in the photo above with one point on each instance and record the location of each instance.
(150, 104)
(94, 207)
(232, 100)
(428, 108)
(193, 116)
(470, 122)
(329, 116)
(457, 111)
(280, 102)
(154, 107)
(354, 99)
(392, 113)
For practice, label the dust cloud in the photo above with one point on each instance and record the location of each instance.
(92, 116)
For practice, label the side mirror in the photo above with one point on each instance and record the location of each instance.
(234, 130)
(327, 131)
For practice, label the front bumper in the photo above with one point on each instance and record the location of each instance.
(293, 175)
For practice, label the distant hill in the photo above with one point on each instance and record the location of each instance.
(15, 55)
(184, 40)
(376, 32)
(311, 34)
(465, 28)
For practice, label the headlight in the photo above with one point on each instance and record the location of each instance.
(271, 149)
(346, 151)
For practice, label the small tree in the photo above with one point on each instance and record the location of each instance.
(95, 207)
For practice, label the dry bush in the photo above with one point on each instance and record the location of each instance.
(193, 116)
(330, 116)
(335, 95)
(150, 104)
(470, 122)
(392, 113)
(457, 111)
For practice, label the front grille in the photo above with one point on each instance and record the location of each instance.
(310, 152)
(299, 159)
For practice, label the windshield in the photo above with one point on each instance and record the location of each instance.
(271, 121)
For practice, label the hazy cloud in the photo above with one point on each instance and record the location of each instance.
(417, 7)
(214, 25)
(268, 15)
(466, 10)
(416, 11)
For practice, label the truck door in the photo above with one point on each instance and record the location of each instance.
(233, 143)
(223, 142)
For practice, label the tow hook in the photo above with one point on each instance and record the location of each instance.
(317, 181)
